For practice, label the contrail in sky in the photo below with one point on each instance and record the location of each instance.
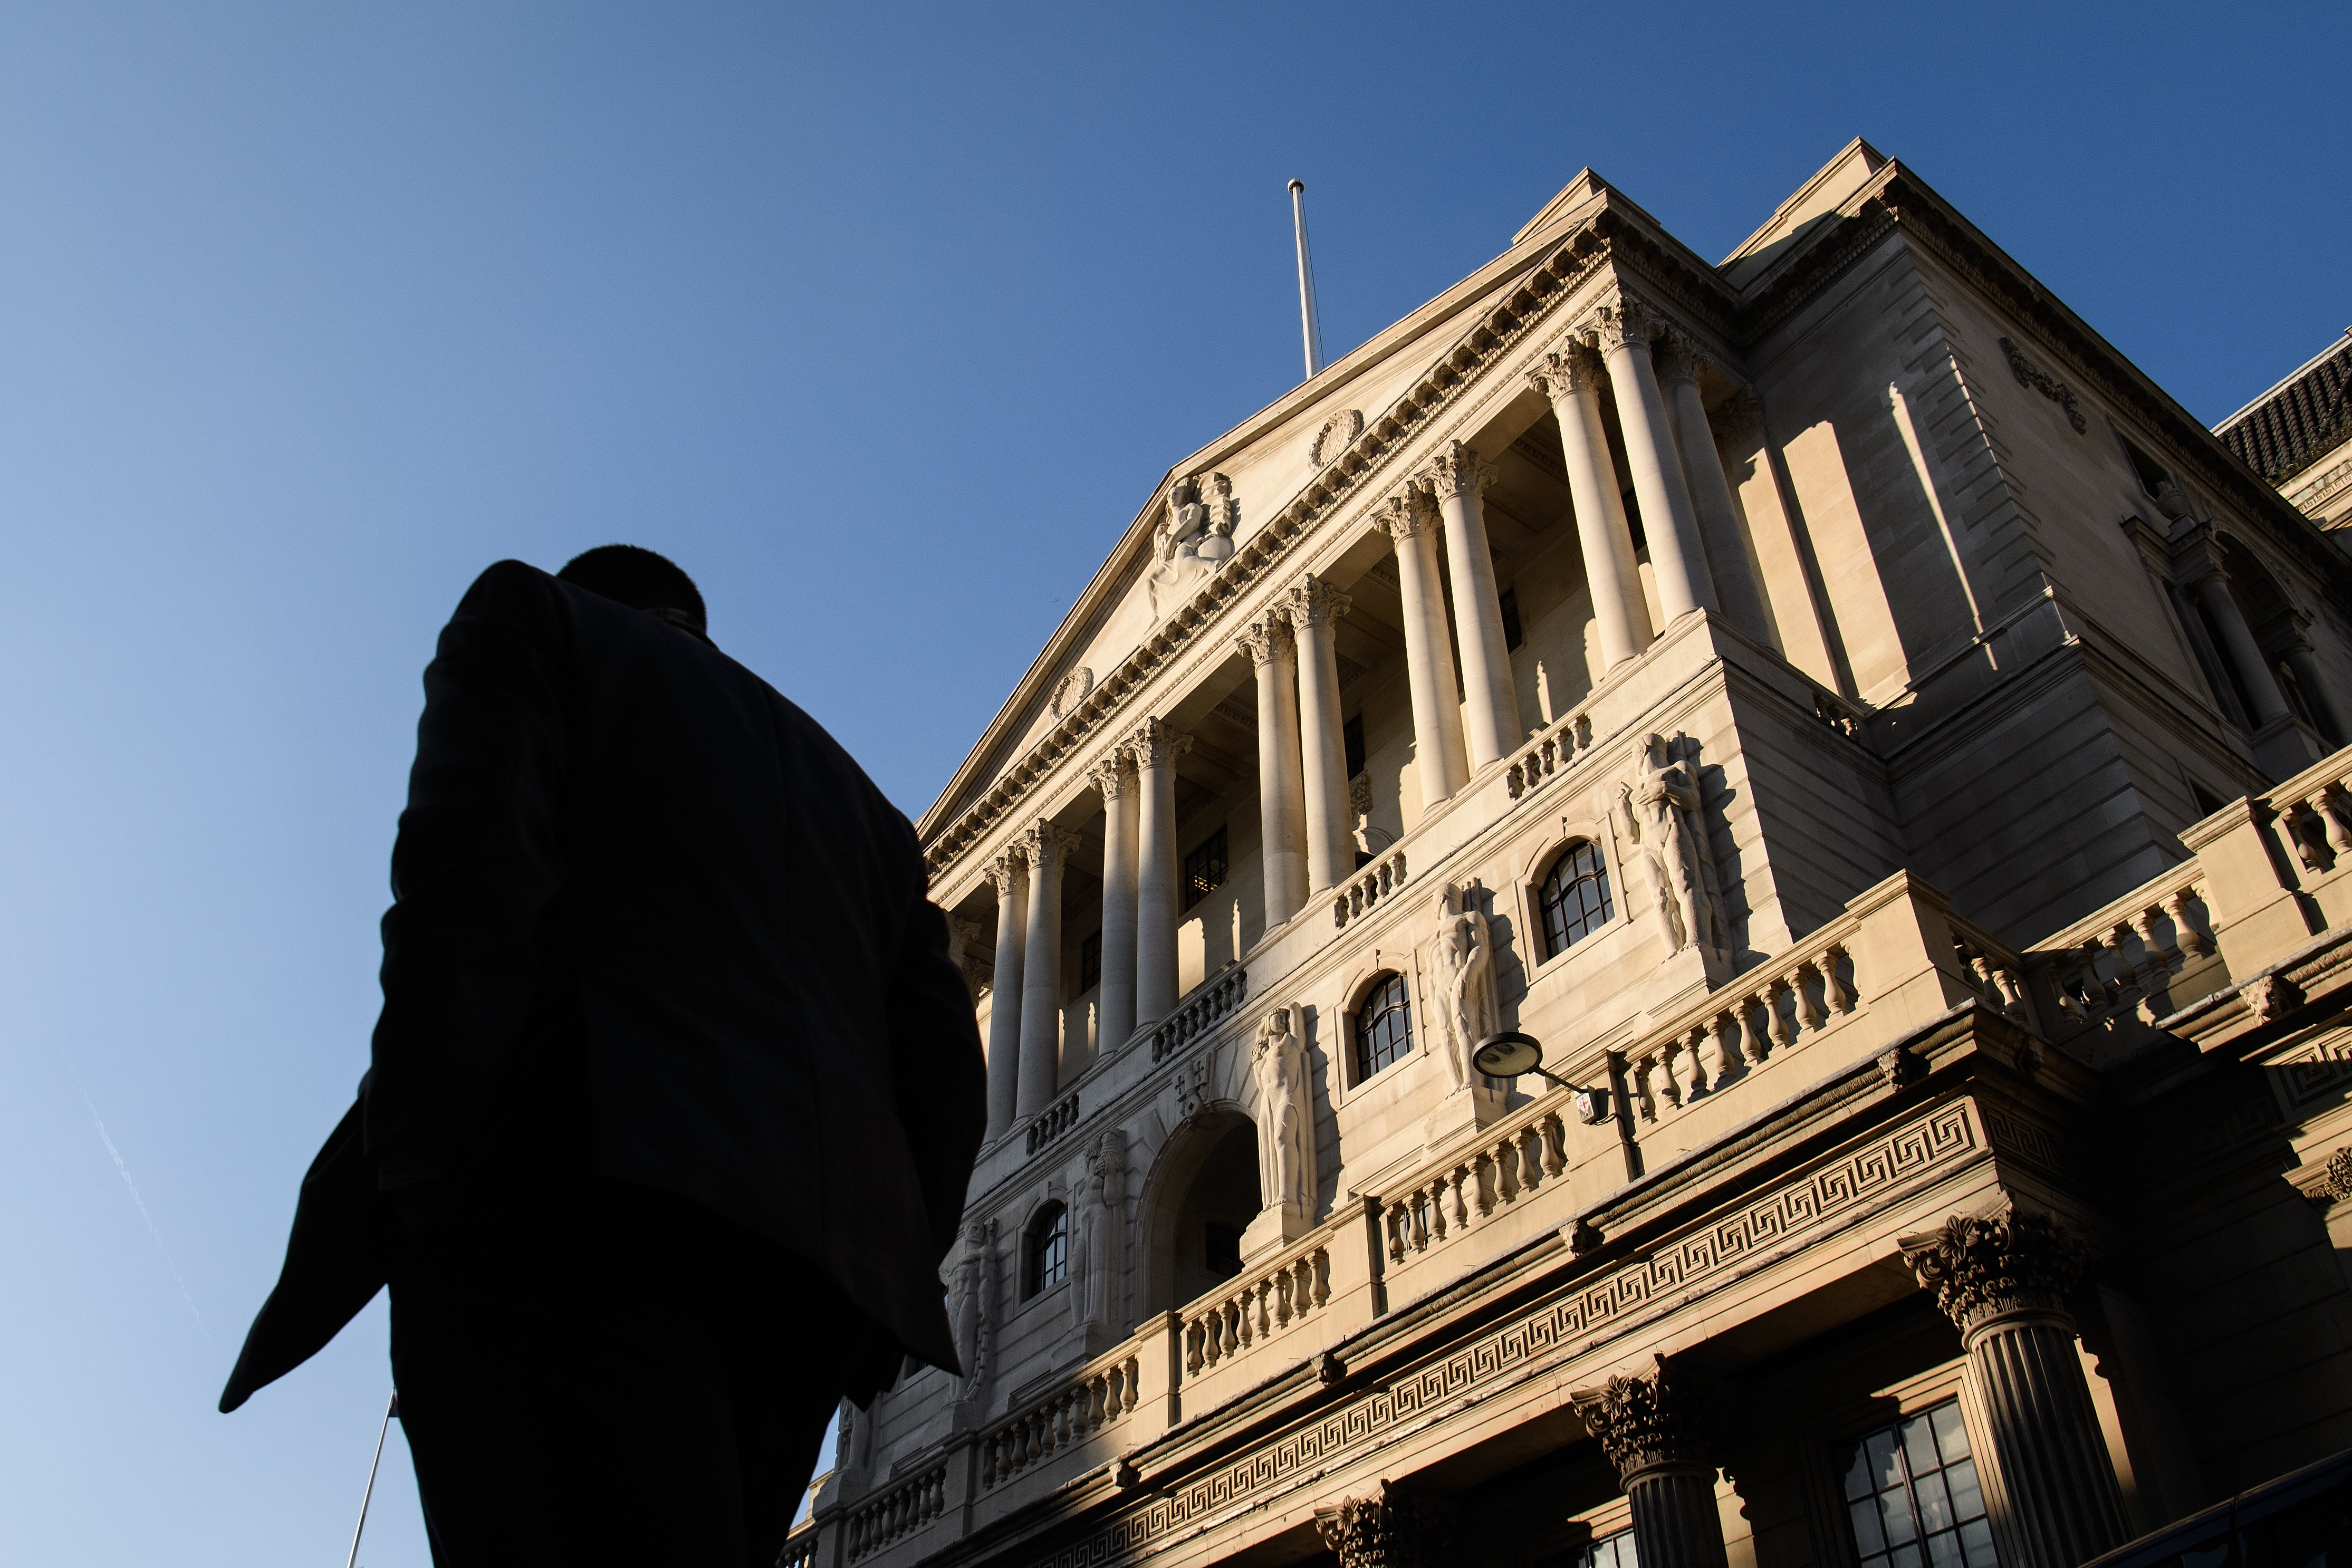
(142, 1204)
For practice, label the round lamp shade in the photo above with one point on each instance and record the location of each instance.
(1508, 1055)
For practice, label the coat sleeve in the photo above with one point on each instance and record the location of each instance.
(939, 1077)
(475, 870)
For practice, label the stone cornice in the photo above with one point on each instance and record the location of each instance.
(1367, 464)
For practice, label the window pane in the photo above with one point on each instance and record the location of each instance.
(1885, 1469)
(1951, 1432)
(1976, 1543)
(1967, 1500)
(1867, 1537)
(1857, 1473)
(1920, 1446)
(1944, 1550)
(1894, 1513)
(1904, 1557)
(1934, 1506)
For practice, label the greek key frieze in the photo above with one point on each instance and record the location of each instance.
(2317, 1071)
(1944, 1135)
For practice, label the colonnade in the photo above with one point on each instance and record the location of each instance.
(1460, 723)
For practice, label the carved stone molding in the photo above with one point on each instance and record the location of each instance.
(1409, 512)
(1045, 846)
(1156, 745)
(1265, 639)
(1331, 440)
(1071, 690)
(1985, 1268)
(2271, 995)
(1395, 1529)
(1457, 470)
(1650, 1421)
(1564, 371)
(2030, 374)
(1312, 602)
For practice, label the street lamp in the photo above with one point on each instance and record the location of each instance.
(1511, 1054)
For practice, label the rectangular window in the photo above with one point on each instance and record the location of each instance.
(1204, 868)
(1611, 1552)
(1090, 963)
(1352, 736)
(1512, 636)
(1912, 1499)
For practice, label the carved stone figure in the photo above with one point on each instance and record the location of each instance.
(1195, 534)
(1465, 956)
(1661, 809)
(1286, 1118)
(1100, 1238)
(971, 1309)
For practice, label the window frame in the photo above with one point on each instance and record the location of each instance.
(1611, 894)
(1911, 1486)
(1050, 1223)
(1359, 1067)
(1192, 899)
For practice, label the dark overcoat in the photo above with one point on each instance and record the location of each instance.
(628, 862)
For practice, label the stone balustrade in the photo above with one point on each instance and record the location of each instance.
(1352, 899)
(1236, 1316)
(1721, 1038)
(1052, 1122)
(800, 1549)
(1509, 1163)
(897, 1512)
(1999, 973)
(1103, 1394)
(1211, 1003)
(2123, 967)
(1552, 749)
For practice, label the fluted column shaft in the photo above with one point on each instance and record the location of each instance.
(1281, 801)
(1011, 873)
(1155, 747)
(1412, 519)
(1675, 1523)
(1571, 380)
(2238, 645)
(1677, 557)
(2003, 1281)
(1315, 611)
(1718, 516)
(1491, 722)
(1657, 1431)
(1047, 848)
(1116, 781)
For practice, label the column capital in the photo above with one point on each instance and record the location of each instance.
(1006, 870)
(1564, 371)
(1410, 511)
(1155, 744)
(1395, 1529)
(1268, 638)
(1311, 601)
(1111, 773)
(1649, 1421)
(1679, 358)
(1983, 1268)
(1737, 418)
(1624, 322)
(1044, 846)
(1457, 470)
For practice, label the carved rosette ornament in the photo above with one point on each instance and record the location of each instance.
(1983, 1269)
(1658, 1431)
(2004, 1279)
(1331, 440)
(1457, 470)
(1410, 511)
(1396, 1529)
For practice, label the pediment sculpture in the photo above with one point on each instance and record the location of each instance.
(1195, 536)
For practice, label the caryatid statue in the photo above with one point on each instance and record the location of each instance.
(1464, 955)
(972, 1307)
(1101, 1237)
(1662, 809)
(1285, 1114)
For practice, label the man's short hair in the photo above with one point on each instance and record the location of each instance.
(637, 577)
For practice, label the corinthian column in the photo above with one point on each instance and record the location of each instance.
(1154, 747)
(1571, 379)
(1315, 608)
(1010, 872)
(1679, 362)
(1654, 1430)
(1461, 478)
(1115, 777)
(1047, 848)
(1675, 554)
(1280, 804)
(1395, 1529)
(2238, 645)
(2004, 1281)
(1411, 522)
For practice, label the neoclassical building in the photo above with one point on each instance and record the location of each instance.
(1887, 754)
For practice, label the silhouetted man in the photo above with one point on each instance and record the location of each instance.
(674, 1098)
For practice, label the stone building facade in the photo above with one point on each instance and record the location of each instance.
(1887, 753)
(2298, 435)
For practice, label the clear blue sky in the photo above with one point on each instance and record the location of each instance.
(883, 321)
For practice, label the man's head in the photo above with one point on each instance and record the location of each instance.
(637, 577)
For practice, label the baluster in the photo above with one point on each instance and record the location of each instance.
(1754, 1043)
(1638, 1072)
(1726, 1030)
(1809, 1011)
(1784, 1024)
(1530, 1171)
(1555, 1146)
(1835, 991)
(2192, 940)
(1453, 1191)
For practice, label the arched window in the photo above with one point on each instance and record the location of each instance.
(1575, 896)
(1384, 1026)
(1049, 1248)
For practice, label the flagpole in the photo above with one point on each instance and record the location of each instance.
(392, 1408)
